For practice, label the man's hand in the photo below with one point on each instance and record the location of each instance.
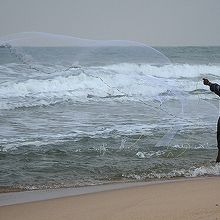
(206, 82)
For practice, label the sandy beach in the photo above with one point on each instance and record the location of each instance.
(187, 199)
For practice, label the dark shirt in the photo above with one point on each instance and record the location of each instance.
(214, 87)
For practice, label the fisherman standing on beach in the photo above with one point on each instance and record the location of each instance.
(214, 87)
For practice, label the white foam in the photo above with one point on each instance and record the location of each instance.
(190, 146)
(167, 71)
(205, 170)
(140, 154)
(132, 80)
(192, 172)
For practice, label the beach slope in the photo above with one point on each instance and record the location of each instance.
(190, 199)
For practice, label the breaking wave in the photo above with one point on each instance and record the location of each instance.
(123, 81)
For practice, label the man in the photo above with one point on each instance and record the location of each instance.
(214, 87)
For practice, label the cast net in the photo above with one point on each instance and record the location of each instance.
(45, 69)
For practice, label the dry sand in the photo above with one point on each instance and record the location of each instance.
(193, 199)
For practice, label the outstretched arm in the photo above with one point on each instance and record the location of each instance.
(214, 87)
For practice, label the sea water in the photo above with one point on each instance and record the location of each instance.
(66, 127)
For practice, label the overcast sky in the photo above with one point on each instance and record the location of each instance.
(154, 22)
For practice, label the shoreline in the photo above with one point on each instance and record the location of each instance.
(11, 189)
(26, 196)
(195, 198)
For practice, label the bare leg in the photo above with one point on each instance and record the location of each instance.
(218, 141)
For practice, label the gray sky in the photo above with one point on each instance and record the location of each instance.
(154, 22)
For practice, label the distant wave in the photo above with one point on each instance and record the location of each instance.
(168, 71)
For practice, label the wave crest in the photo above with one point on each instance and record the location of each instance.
(124, 81)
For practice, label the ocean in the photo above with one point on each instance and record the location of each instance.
(100, 122)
